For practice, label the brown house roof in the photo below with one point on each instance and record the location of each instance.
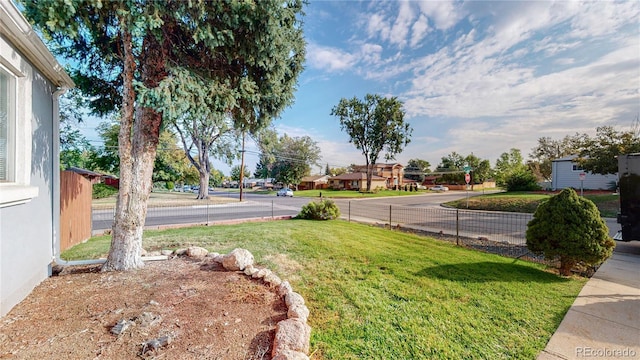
(314, 178)
(383, 165)
(84, 172)
(357, 176)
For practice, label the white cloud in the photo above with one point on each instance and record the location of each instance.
(522, 71)
(377, 25)
(402, 25)
(419, 30)
(370, 53)
(329, 58)
(444, 14)
(604, 17)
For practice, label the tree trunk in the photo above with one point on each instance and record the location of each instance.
(566, 265)
(138, 142)
(204, 170)
(241, 182)
(369, 175)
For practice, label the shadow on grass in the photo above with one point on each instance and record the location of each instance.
(489, 271)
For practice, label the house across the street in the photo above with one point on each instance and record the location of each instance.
(314, 182)
(356, 181)
(567, 173)
(394, 173)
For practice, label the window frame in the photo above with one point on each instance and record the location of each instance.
(17, 189)
(10, 139)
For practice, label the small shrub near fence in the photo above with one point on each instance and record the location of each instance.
(321, 210)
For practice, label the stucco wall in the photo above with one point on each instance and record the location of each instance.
(26, 230)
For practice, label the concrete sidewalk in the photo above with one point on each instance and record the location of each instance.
(604, 320)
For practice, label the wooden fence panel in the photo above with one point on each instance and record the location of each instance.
(75, 209)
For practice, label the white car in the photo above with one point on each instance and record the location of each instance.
(285, 192)
(439, 188)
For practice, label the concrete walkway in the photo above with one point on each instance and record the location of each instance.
(604, 321)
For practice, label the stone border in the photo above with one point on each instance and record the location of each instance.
(293, 335)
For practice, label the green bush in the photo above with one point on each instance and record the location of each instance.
(322, 210)
(521, 181)
(569, 227)
(102, 191)
(170, 185)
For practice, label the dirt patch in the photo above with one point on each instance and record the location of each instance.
(173, 309)
(287, 266)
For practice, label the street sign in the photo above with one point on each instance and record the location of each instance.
(583, 176)
(467, 169)
(467, 178)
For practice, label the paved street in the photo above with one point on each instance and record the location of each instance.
(422, 212)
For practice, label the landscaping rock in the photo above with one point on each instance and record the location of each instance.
(121, 326)
(197, 252)
(284, 288)
(272, 279)
(238, 259)
(249, 270)
(155, 344)
(290, 355)
(293, 298)
(291, 335)
(261, 273)
(298, 311)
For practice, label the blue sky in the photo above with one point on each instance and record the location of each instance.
(475, 77)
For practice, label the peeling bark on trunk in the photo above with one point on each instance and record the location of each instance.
(138, 142)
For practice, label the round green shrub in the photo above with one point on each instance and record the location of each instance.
(569, 227)
(321, 210)
(522, 181)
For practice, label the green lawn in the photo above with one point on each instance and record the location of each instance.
(526, 202)
(380, 294)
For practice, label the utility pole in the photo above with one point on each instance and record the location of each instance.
(241, 182)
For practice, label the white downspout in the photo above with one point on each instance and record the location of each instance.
(55, 194)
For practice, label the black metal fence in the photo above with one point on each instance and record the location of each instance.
(496, 232)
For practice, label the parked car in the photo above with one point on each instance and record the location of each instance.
(439, 188)
(285, 192)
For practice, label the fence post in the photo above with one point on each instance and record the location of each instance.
(349, 215)
(457, 226)
(389, 217)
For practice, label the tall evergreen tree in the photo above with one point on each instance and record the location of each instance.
(153, 60)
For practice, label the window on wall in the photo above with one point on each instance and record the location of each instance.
(577, 167)
(6, 118)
